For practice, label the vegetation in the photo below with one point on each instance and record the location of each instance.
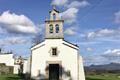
(103, 76)
(9, 77)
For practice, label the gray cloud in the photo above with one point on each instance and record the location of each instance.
(12, 41)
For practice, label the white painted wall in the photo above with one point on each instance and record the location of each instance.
(7, 59)
(67, 55)
(81, 69)
(26, 66)
(16, 67)
(29, 65)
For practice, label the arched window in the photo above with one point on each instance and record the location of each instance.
(54, 16)
(51, 28)
(57, 28)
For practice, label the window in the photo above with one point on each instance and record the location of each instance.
(54, 51)
(57, 28)
(54, 16)
(51, 28)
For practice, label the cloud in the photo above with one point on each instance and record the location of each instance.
(87, 43)
(59, 2)
(71, 31)
(108, 56)
(2, 31)
(94, 59)
(40, 36)
(12, 41)
(90, 49)
(18, 24)
(71, 7)
(115, 53)
(78, 4)
(41, 27)
(69, 15)
(104, 33)
(117, 17)
(112, 55)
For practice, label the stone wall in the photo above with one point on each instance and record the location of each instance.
(5, 69)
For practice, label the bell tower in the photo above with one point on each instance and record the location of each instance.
(54, 25)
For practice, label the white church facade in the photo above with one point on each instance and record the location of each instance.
(55, 58)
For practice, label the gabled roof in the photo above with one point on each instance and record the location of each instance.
(54, 10)
(71, 45)
(38, 45)
(64, 43)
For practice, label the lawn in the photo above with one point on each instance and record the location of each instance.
(103, 77)
(9, 77)
(88, 77)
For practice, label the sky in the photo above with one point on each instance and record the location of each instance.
(94, 25)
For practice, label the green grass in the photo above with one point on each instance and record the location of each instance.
(88, 77)
(9, 77)
(103, 77)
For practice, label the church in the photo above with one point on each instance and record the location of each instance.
(56, 58)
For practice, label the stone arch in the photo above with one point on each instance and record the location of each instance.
(50, 28)
(57, 28)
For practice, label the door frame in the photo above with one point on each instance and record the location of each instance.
(55, 62)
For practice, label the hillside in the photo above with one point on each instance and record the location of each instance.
(106, 68)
